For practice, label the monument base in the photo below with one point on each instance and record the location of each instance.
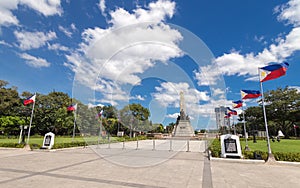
(183, 129)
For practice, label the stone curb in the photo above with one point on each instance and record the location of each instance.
(237, 160)
(249, 161)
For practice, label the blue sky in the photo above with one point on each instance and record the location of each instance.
(118, 51)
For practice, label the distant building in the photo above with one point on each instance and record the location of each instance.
(220, 120)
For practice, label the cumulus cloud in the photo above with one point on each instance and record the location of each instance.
(32, 40)
(129, 49)
(167, 94)
(289, 12)
(247, 65)
(6, 16)
(45, 7)
(35, 62)
(173, 116)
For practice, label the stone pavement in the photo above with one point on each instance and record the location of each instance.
(102, 167)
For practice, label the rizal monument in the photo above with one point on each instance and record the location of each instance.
(183, 127)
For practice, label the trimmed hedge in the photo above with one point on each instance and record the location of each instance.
(215, 149)
(12, 145)
(68, 145)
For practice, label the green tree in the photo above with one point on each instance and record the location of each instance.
(10, 102)
(10, 125)
(284, 104)
(135, 117)
(282, 110)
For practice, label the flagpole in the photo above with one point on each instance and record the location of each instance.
(30, 122)
(245, 132)
(266, 123)
(234, 129)
(100, 131)
(74, 124)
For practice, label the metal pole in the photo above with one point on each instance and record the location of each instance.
(21, 132)
(108, 141)
(137, 143)
(153, 145)
(30, 122)
(188, 146)
(123, 144)
(171, 146)
(74, 125)
(234, 128)
(265, 117)
(245, 132)
(100, 132)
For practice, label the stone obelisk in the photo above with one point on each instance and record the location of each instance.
(183, 126)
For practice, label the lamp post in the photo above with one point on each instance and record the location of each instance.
(252, 120)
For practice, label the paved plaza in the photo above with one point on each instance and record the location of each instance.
(139, 165)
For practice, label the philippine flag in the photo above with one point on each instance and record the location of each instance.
(29, 100)
(274, 71)
(227, 115)
(237, 104)
(72, 107)
(100, 113)
(250, 94)
(230, 111)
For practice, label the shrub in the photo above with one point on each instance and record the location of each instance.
(68, 145)
(12, 145)
(292, 157)
(215, 148)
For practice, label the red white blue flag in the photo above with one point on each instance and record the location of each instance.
(230, 111)
(227, 115)
(72, 107)
(250, 94)
(237, 104)
(29, 100)
(100, 113)
(273, 71)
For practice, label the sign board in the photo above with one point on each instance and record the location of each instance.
(48, 140)
(230, 146)
(120, 133)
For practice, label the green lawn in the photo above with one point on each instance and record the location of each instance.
(61, 141)
(285, 145)
(39, 140)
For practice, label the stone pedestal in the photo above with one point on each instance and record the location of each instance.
(183, 129)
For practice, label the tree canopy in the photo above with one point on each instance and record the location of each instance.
(282, 111)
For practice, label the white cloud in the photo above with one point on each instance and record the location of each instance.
(35, 62)
(138, 97)
(90, 105)
(247, 65)
(102, 7)
(73, 26)
(167, 94)
(31, 40)
(173, 116)
(2, 42)
(295, 87)
(57, 46)
(157, 11)
(45, 7)
(6, 16)
(128, 51)
(289, 12)
(65, 31)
